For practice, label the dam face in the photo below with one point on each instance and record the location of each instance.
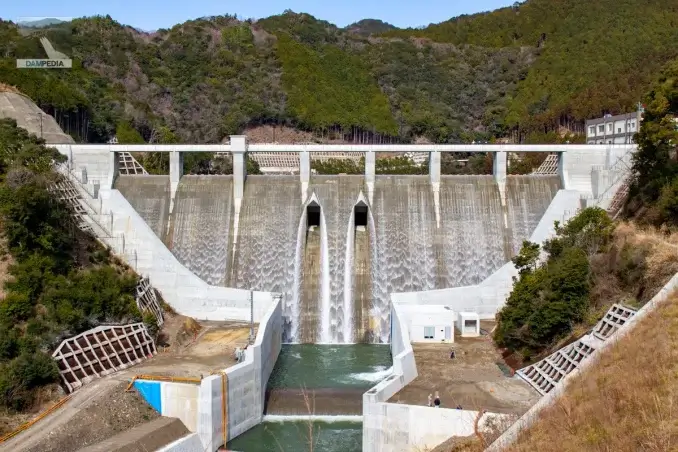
(335, 256)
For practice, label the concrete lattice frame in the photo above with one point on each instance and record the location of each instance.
(547, 373)
(289, 161)
(615, 318)
(548, 166)
(544, 375)
(102, 351)
(128, 165)
(147, 301)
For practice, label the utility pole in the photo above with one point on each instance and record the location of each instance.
(251, 340)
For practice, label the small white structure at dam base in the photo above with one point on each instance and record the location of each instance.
(229, 404)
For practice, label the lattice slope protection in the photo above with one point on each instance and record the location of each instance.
(544, 375)
(102, 351)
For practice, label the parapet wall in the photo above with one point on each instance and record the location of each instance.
(490, 295)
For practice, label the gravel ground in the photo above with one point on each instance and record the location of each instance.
(113, 412)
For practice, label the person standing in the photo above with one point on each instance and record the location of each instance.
(430, 400)
(436, 401)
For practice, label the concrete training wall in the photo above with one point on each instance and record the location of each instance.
(189, 443)
(246, 386)
(490, 295)
(171, 399)
(532, 414)
(200, 407)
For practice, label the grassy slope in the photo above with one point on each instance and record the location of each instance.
(627, 401)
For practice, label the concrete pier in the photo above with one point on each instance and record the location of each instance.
(370, 173)
(239, 151)
(176, 170)
(499, 169)
(304, 173)
(434, 175)
(113, 161)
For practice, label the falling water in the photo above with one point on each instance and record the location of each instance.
(348, 279)
(528, 197)
(472, 230)
(380, 305)
(325, 300)
(201, 226)
(150, 197)
(337, 195)
(404, 227)
(293, 311)
(268, 243)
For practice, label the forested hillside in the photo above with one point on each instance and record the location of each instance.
(521, 71)
(594, 56)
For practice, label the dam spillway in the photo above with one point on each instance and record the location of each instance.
(336, 276)
(150, 197)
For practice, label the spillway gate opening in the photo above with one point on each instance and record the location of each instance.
(313, 215)
(360, 215)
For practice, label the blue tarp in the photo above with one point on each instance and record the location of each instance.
(150, 391)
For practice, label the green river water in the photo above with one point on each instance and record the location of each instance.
(355, 366)
(330, 366)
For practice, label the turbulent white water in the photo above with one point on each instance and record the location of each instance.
(325, 289)
(403, 222)
(348, 279)
(294, 308)
(268, 241)
(472, 230)
(202, 218)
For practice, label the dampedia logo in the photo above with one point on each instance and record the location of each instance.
(55, 59)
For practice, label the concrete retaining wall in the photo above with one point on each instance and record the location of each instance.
(182, 289)
(179, 400)
(189, 443)
(409, 428)
(200, 407)
(490, 295)
(532, 414)
(246, 386)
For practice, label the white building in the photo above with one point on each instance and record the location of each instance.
(430, 323)
(609, 129)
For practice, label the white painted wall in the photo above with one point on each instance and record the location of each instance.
(420, 317)
(473, 330)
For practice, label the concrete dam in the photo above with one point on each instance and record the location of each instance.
(334, 254)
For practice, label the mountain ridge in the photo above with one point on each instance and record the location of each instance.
(495, 74)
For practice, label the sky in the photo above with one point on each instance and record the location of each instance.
(153, 14)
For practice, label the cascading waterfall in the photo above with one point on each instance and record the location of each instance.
(325, 299)
(380, 305)
(348, 280)
(294, 311)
